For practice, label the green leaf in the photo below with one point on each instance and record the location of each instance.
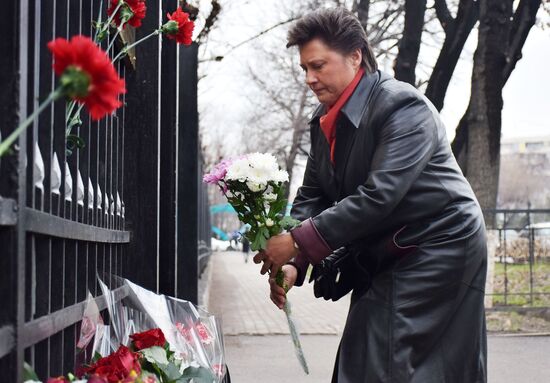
(155, 355)
(200, 374)
(171, 372)
(28, 373)
(97, 356)
(257, 242)
(289, 223)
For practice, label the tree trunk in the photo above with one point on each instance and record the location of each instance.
(409, 45)
(363, 13)
(477, 144)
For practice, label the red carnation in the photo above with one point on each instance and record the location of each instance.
(87, 74)
(150, 338)
(115, 367)
(183, 31)
(132, 11)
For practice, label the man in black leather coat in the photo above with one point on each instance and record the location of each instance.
(387, 187)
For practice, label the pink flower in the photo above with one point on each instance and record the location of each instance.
(218, 172)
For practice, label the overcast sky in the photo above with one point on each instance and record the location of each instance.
(222, 92)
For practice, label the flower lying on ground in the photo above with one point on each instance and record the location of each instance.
(147, 339)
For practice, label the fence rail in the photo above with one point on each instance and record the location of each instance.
(520, 240)
(127, 203)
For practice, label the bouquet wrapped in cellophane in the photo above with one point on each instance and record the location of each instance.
(150, 338)
(255, 186)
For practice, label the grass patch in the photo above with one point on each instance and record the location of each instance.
(518, 282)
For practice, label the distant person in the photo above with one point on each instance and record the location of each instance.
(381, 182)
(234, 239)
(246, 248)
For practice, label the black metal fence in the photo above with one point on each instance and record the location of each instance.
(520, 241)
(129, 203)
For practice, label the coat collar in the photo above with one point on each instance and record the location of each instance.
(356, 105)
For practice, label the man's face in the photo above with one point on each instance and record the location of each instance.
(328, 72)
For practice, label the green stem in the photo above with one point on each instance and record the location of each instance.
(4, 145)
(111, 18)
(124, 50)
(118, 30)
(72, 121)
(98, 20)
(70, 108)
(104, 27)
(280, 280)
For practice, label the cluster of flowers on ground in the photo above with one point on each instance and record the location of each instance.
(149, 338)
(148, 359)
(87, 76)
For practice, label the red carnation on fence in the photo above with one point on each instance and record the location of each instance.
(130, 12)
(180, 27)
(87, 75)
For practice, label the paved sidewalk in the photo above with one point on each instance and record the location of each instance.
(239, 295)
(258, 348)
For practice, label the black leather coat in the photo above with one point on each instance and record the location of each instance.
(422, 319)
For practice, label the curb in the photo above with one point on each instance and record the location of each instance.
(204, 298)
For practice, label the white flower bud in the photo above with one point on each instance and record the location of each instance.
(269, 222)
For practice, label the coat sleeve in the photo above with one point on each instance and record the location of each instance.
(406, 140)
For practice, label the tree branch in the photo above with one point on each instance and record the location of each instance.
(455, 38)
(524, 19)
(363, 13)
(443, 14)
(210, 21)
(261, 34)
(409, 45)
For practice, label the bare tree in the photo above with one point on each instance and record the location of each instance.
(279, 119)
(502, 33)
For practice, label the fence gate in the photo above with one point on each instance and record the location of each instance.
(128, 203)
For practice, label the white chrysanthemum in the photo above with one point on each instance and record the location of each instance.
(238, 170)
(269, 197)
(258, 168)
(255, 186)
(264, 167)
(280, 176)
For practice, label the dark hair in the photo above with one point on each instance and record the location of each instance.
(336, 27)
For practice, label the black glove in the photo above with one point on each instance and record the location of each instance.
(334, 276)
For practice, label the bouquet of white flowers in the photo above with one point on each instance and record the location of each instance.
(254, 186)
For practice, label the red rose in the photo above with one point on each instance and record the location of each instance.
(115, 367)
(87, 74)
(147, 339)
(183, 32)
(133, 11)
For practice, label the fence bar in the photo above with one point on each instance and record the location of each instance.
(47, 224)
(46, 326)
